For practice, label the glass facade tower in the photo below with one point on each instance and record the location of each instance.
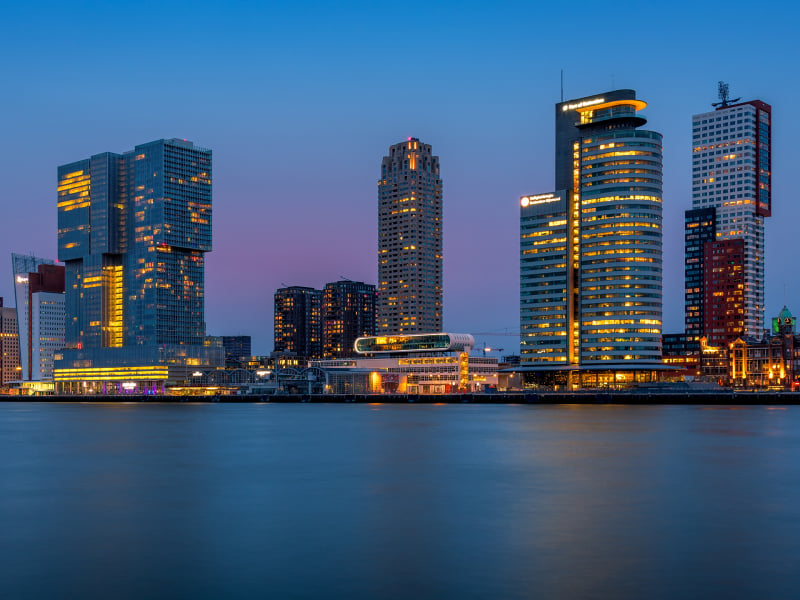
(133, 229)
(591, 254)
(132, 232)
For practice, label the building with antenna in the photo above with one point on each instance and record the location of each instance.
(724, 230)
(591, 252)
(39, 294)
(348, 313)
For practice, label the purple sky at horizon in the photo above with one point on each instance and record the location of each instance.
(300, 101)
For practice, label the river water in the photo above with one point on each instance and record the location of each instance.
(398, 501)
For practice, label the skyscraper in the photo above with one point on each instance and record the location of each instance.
(348, 313)
(591, 253)
(409, 240)
(133, 229)
(9, 345)
(731, 195)
(298, 321)
(39, 292)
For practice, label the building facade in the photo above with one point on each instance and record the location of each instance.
(348, 313)
(432, 363)
(39, 293)
(298, 321)
(133, 230)
(236, 348)
(591, 253)
(771, 361)
(731, 196)
(409, 240)
(9, 345)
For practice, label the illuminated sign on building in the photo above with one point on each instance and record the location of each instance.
(540, 199)
(582, 104)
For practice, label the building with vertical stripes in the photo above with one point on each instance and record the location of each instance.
(731, 197)
(591, 253)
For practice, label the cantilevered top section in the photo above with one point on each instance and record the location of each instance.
(420, 342)
(581, 116)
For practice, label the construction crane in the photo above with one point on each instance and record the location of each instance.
(486, 349)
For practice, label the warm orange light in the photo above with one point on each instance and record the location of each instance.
(637, 104)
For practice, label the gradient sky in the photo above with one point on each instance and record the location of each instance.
(299, 102)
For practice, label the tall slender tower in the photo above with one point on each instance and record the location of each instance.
(731, 196)
(591, 253)
(409, 241)
(9, 345)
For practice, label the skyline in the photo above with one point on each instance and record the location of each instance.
(298, 139)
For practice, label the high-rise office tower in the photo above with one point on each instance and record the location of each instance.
(409, 240)
(591, 253)
(298, 321)
(731, 195)
(9, 345)
(133, 229)
(39, 292)
(348, 312)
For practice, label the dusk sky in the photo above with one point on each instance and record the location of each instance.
(300, 101)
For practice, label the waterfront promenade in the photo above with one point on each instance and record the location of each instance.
(717, 397)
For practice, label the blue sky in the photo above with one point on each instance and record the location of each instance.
(300, 101)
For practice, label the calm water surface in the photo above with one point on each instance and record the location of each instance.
(362, 501)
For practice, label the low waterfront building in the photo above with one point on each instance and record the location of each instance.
(133, 369)
(426, 363)
(768, 362)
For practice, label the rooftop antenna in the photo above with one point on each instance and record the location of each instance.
(562, 85)
(346, 278)
(724, 96)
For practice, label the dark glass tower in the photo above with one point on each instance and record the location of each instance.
(298, 321)
(348, 312)
(133, 229)
(700, 229)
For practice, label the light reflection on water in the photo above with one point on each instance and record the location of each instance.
(367, 501)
